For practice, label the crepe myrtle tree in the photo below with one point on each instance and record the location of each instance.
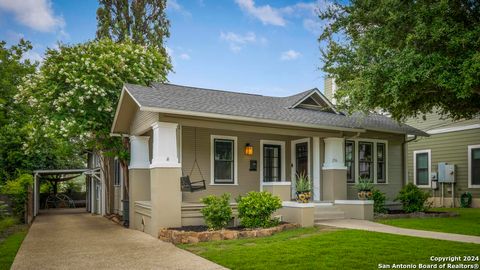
(77, 88)
(406, 57)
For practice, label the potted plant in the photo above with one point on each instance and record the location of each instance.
(303, 186)
(365, 188)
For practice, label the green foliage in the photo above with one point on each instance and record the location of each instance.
(412, 198)
(303, 183)
(378, 201)
(256, 208)
(7, 222)
(3, 210)
(364, 184)
(217, 212)
(17, 190)
(142, 21)
(77, 88)
(9, 248)
(405, 57)
(466, 200)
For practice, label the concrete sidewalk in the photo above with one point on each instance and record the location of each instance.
(378, 227)
(63, 239)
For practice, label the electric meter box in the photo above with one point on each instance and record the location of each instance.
(446, 172)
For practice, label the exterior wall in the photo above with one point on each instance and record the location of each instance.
(282, 191)
(117, 202)
(449, 147)
(139, 190)
(247, 180)
(395, 171)
(142, 121)
(356, 209)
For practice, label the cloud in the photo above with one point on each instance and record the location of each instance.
(238, 41)
(175, 6)
(35, 14)
(266, 14)
(33, 56)
(306, 11)
(185, 56)
(289, 55)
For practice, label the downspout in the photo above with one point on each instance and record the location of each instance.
(405, 162)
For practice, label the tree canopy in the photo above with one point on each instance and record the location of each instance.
(406, 57)
(24, 147)
(77, 88)
(143, 22)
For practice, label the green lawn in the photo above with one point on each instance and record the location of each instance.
(9, 248)
(467, 223)
(314, 248)
(11, 237)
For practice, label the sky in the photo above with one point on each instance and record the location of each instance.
(261, 47)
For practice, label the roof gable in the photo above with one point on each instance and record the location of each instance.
(315, 100)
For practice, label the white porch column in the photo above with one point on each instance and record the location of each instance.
(165, 152)
(334, 180)
(334, 154)
(139, 153)
(165, 173)
(316, 168)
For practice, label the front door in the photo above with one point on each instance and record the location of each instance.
(300, 159)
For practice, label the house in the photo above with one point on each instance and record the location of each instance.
(454, 142)
(247, 142)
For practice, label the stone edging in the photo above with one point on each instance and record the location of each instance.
(189, 237)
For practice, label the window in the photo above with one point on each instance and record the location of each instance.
(421, 160)
(381, 163)
(272, 168)
(474, 166)
(350, 160)
(223, 162)
(365, 160)
(116, 172)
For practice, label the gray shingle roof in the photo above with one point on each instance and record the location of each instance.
(192, 99)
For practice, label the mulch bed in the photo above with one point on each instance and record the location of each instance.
(195, 234)
(393, 214)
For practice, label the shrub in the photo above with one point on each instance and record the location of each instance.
(217, 212)
(17, 190)
(412, 198)
(378, 201)
(256, 208)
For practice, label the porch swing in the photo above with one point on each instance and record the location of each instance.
(186, 184)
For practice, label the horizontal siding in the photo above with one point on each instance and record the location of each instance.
(435, 121)
(142, 122)
(448, 147)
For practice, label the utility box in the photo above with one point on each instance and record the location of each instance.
(446, 172)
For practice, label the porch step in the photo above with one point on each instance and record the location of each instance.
(328, 212)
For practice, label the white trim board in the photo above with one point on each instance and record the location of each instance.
(470, 148)
(429, 152)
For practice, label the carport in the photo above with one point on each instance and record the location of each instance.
(95, 186)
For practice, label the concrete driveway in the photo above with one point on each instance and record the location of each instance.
(73, 239)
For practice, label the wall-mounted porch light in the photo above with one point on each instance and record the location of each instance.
(248, 150)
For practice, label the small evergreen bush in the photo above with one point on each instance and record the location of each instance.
(378, 201)
(413, 199)
(256, 208)
(17, 190)
(217, 211)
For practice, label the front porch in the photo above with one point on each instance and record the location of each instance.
(215, 152)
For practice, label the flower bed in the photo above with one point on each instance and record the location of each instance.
(186, 236)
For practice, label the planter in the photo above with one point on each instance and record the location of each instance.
(365, 195)
(304, 197)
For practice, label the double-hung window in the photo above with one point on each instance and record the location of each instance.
(117, 172)
(474, 166)
(381, 157)
(350, 160)
(421, 162)
(365, 160)
(223, 162)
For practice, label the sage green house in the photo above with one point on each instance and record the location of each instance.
(453, 142)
